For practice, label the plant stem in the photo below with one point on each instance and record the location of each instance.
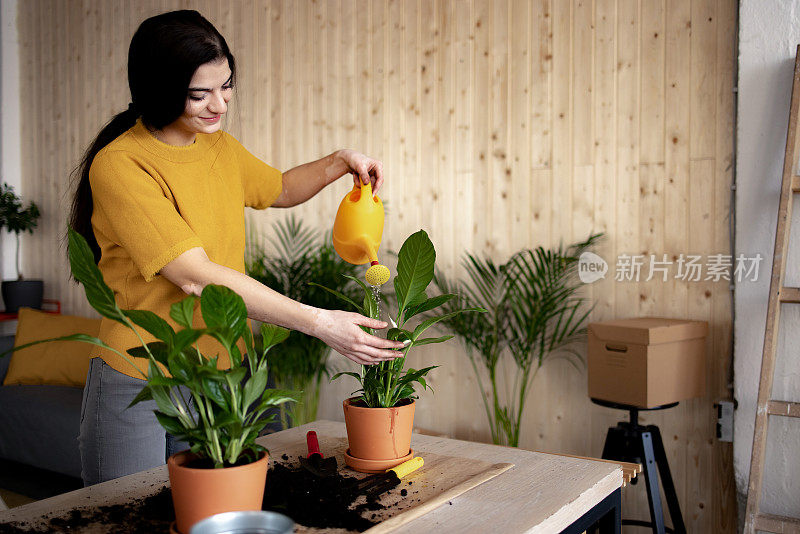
(19, 274)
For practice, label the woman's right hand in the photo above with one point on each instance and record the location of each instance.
(340, 331)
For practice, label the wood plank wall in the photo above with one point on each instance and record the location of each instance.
(502, 124)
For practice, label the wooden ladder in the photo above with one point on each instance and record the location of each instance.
(778, 294)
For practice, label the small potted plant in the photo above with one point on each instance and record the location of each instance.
(16, 218)
(301, 255)
(225, 469)
(380, 419)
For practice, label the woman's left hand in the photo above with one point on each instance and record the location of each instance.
(363, 168)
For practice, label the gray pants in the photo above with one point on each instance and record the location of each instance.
(116, 440)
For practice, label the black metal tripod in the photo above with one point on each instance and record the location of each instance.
(632, 442)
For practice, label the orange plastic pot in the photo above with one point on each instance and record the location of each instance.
(200, 493)
(379, 433)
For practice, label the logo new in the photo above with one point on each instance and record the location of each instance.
(591, 267)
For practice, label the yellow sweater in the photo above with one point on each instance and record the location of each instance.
(153, 202)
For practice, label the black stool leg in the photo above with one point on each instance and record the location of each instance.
(614, 447)
(651, 481)
(671, 496)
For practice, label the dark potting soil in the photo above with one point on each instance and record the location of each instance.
(320, 502)
(208, 463)
(142, 516)
(361, 404)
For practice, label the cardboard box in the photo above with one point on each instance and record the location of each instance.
(647, 361)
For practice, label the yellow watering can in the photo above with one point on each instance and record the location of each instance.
(357, 232)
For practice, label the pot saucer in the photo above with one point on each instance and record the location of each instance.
(374, 466)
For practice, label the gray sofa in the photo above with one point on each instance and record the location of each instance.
(39, 424)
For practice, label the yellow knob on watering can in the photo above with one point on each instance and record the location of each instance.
(357, 232)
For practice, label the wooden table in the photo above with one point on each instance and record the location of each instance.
(542, 493)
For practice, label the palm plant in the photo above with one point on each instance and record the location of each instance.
(301, 254)
(533, 315)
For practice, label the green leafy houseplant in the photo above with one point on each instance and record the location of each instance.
(387, 384)
(15, 217)
(534, 315)
(302, 255)
(230, 403)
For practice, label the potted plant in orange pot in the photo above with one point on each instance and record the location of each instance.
(225, 469)
(380, 419)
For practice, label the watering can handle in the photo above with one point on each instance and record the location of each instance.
(366, 191)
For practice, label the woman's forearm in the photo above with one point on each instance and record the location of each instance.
(304, 181)
(340, 330)
(193, 271)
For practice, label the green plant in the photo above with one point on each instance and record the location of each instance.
(533, 315)
(386, 384)
(230, 403)
(16, 218)
(302, 255)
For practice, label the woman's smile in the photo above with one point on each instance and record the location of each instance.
(211, 120)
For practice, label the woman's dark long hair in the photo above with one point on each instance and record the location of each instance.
(164, 54)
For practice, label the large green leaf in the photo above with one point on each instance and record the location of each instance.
(162, 398)
(152, 323)
(158, 349)
(212, 388)
(428, 305)
(414, 268)
(182, 312)
(144, 395)
(272, 335)
(222, 307)
(170, 423)
(85, 271)
(186, 338)
(254, 388)
(431, 340)
(274, 397)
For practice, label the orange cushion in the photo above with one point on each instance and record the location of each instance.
(59, 363)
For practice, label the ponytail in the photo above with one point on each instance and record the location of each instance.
(80, 218)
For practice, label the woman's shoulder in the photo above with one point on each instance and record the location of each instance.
(122, 147)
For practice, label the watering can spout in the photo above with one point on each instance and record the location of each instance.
(358, 229)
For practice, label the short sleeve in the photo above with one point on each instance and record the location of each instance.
(134, 211)
(262, 183)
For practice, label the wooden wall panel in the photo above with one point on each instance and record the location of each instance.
(501, 124)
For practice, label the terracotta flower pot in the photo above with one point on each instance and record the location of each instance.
(200, 493)
(379, 433)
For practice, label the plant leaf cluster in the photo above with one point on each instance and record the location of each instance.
(386, 384)
(533, 314)
(229, 404)
(13, 215)
(301, 255)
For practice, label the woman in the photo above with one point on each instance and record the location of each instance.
(160, 199)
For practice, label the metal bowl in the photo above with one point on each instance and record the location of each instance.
(244, 523)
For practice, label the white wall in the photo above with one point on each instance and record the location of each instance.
(768, 36)
(10, 150)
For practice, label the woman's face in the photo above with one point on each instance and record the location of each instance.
(207, 100)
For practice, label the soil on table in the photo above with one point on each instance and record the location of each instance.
(141, 516)
(312, 501)
(320, 502)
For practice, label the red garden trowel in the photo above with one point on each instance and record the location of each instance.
(315, 462)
